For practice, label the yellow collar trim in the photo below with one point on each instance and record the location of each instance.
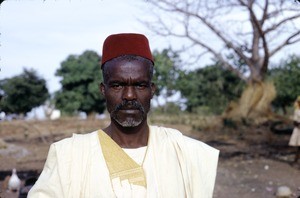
(119, 163)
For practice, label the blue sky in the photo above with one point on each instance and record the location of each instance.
(41, 34)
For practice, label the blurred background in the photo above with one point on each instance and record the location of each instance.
(227, 72)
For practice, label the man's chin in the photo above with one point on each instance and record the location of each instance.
(129, 122)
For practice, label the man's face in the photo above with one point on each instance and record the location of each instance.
(128, 92)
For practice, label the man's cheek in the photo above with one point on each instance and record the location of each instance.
(109, 106)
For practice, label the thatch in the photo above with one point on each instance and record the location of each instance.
(254, 103)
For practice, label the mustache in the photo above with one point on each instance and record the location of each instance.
(129, 105)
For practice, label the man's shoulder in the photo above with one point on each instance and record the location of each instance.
(165, 131)
(76, 139)
(172, 133)
(175, 135)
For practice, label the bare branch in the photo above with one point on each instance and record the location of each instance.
(267, 20)
(286, 42)
(257, 26)
(265, 13)
(225, 63)
(275, 26)
(222, 37)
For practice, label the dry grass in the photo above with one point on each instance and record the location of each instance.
(196, 122)
(254, 103)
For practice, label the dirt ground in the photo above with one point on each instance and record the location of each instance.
(254, 162)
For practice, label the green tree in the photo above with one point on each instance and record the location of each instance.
(81, 76)
(21, 93)
(209, 89)
(166, 72)
(286, 78)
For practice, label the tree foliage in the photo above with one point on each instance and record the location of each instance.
(81, 76)
(21, 93)
(286, 78)
(166, 72)
(252, 30)
(209, 89)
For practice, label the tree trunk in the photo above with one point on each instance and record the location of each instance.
(254, 103)
(284, 110)
(91, 115)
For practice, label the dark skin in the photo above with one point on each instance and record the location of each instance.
(128, 82)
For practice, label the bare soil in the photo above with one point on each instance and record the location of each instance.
(254, 162)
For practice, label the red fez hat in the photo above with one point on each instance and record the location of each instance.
(125, 44)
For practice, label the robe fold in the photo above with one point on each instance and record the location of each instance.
(174, 166)
(295, 137)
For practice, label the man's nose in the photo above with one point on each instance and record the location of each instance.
(129, 93)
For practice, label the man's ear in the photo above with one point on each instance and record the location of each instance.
(102, 88)
(153, 89)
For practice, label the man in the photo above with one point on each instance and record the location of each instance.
(129, 158)
(295, 137)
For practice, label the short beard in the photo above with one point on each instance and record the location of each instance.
(131, 122)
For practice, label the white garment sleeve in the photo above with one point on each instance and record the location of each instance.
(48, 184)
(204, 161)
(297, 115)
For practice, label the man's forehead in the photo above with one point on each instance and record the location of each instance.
(128, 66)
(128, 69)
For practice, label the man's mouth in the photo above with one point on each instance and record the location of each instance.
(132, 107)
(129, 108)
(130, 111)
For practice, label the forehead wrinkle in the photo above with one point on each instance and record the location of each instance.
(132, 71)
(130, 78)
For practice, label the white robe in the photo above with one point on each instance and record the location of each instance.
(174, 166)
(295, 137)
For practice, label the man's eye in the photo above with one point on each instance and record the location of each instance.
(141, 86)
(117, 86)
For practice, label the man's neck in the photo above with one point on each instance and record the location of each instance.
(129, 137)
